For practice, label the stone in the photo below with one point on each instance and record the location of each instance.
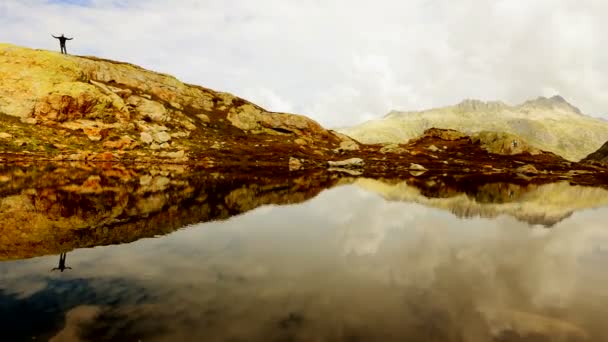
(146, 137)
(188, 125)
(4, 135)
(503, 143)
(249, 117)
(180, 134)
(161, 137)
(346, 144)
(433, 148)
(417, 173)
(29, 121)
(145, 180)
(93, 133)
(91, 186)
(392, 148)
(204, 118)
(160, 183)
(71, 101)
(347, 163)
(124, 142)
(294, 164)
(418, 167)
(148, 108)
(176, 155)
(444, 134)
(106, 156)
(154, 146)
(527, 169)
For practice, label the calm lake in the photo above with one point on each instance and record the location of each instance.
(143, 253)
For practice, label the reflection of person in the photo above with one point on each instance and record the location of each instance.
(62, 40)
(61, 266)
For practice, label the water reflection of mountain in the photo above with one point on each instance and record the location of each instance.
(54, 208)
(50, 209)
(544, 204)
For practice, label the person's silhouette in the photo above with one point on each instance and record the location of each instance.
(62, 266)
(62, 40)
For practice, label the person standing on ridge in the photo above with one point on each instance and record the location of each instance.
(62, 40)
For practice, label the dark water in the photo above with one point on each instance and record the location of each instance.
(186, 255)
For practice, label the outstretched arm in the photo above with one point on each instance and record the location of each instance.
(69, 38)
(54, 37)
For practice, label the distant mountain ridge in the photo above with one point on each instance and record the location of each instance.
(551, 124)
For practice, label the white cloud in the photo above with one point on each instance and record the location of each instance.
(340, 61)
(268, 99)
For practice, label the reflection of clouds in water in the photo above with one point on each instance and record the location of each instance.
(42, 312)
(348, 262)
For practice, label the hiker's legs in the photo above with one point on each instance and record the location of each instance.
(63, 50)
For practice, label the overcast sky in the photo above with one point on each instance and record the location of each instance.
(342, 62)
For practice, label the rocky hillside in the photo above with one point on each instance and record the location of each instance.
(601, 155)
(84, 108)
(549, 124)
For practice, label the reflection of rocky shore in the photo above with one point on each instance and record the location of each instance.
(545, 204)
(55, 208)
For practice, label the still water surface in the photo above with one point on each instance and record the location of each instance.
(358, 262)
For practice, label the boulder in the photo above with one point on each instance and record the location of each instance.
(527, 169)
(251, 118)
(74, 100)
(161, 137)
(346, 143)
(146, 137)
(294, 164)
(148, 108)
(444, 134)
(352, 163)
(417, 167)
(503, 143)
(392, 148)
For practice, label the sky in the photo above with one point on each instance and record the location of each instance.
(342, 62)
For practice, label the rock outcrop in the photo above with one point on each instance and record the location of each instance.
(548, 124)
(503, 143)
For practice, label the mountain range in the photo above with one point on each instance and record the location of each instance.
(549, 124)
